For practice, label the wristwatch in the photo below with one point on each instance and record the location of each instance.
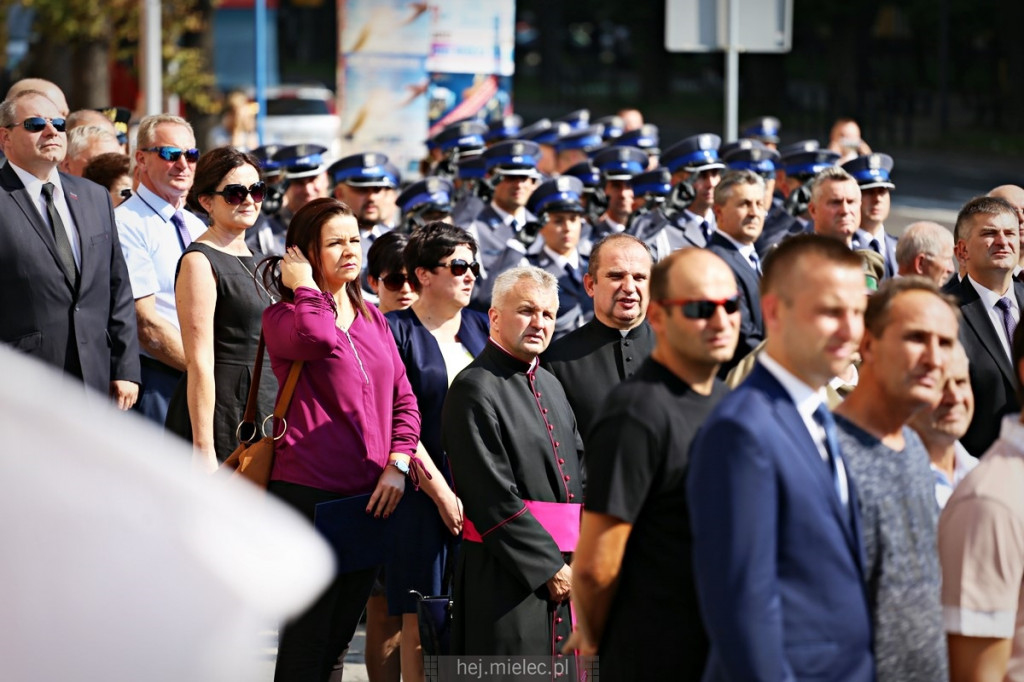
(401, 464)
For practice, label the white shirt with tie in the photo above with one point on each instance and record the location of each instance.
(34, 187)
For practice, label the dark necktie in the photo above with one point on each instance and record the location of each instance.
(60, 236)
(706, 231)
(571, 272)
(1009, 324)
(514, 224)
(755, 262)
(876, 247)
(179, 223)
(825, 420)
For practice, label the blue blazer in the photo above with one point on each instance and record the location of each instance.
(778, 560)
(424, 366)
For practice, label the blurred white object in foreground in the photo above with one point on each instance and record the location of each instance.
(117, 561)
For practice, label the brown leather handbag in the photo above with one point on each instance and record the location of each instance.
(254, 461)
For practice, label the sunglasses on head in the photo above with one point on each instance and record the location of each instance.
(394, 281)
(172, 154)
(703, 309)
(36, 124)
(236, 194)
(459, 267)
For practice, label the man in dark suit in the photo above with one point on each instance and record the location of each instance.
(739, 211)
(778, 554)
(66, 298)
(990, 302)
(590, 361)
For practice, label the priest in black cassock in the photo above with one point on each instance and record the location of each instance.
(515, 454)
(592, 360)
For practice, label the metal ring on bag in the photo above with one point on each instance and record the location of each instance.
(263, 427)
(238, 431)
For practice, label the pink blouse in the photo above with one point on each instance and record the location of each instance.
(352, 406)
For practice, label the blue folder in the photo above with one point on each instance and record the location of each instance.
(359, 540)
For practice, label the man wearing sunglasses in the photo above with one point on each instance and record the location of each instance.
(155, 227)
(739, 209)
(777, 543)
(67, 300)
(635, 545)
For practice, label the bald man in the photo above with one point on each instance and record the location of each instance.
(48, 88)
(1015, 196)
(926, 249)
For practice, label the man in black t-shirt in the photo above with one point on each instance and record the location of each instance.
(632, 581)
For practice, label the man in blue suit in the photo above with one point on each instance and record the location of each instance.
(778, 557)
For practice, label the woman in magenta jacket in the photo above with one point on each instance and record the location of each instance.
(353, 424)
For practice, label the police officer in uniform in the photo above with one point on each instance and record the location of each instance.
(425, 201)
(305, 177)
(558, 204)
(499, 227)
(687, 218)
(618, 165)
(872, 173)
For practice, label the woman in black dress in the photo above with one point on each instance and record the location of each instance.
(220, 305)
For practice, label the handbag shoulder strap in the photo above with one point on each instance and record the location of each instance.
(249, 417)
(285, 398)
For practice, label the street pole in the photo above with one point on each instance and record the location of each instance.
(261, 66)
(732, 69)
(152, 77)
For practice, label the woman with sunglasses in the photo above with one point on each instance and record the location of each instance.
(220, 304)
(385, 273)
(353, 423)
(437, 337)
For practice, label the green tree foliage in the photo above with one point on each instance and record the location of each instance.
(111, 27)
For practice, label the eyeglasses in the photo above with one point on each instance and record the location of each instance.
(703, 309)
(395, 281)
(458, 267)
(236, 194)
(36, 124)
(172, 154)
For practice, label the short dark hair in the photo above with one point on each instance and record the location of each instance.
(385, 254)
(106, 169)
(876, 315)
(431, 244)
(980, 206)
(211, 169)
(304, 231)
(595, 252)
(780, 265)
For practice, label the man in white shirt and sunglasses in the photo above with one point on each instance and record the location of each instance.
(155, 227)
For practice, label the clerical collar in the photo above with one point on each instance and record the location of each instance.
(527, 368)
(623, 333)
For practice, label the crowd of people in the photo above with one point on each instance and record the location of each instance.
(693, 412)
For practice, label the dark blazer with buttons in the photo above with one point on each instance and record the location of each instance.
(993, 378)
(749, 285)
(41, 312)
(592, 360)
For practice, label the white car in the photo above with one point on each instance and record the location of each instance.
(300, 114)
